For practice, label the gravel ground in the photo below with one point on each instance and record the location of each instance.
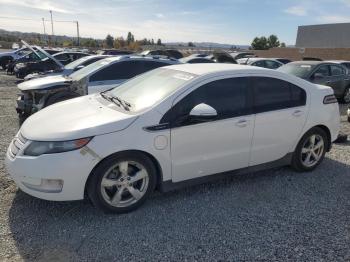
(275, 215)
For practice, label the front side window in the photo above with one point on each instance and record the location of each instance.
(260, 63)
(229, 97)
(323, 70)
(274, 94)
(272, 64)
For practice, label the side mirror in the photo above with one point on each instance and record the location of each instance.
(318, 76)
(203, 112)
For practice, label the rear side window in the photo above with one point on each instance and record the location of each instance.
(337, 70)
(229, 97)
(274, 94)
(259, 63)
(125, 70)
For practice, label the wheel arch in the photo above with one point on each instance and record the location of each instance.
(328, 133)
(134, 151)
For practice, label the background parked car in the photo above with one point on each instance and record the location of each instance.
(222, 57)
(283, 60)
(114, 52)
(7, 57)
(47, 64)
(70, 68)
(239, 55)
(260, 62)
(341, 62)
(172, 53)
(96, 77)
(196, 60)
(324, 73)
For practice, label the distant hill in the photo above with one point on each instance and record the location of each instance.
(209, 45)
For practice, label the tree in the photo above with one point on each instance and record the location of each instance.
(190, 44)
(152, 42)
(159, 42)
(119, 42)
(283, 44)
(273, 41)
(260, 43)
(109, 41)
(130, 38)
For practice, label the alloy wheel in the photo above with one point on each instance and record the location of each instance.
(124, 183)
(312, 150)
(347, 96)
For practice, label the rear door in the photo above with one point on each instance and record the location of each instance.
(338, 79)
(281, 113)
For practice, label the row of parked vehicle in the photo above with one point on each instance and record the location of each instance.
(142, 122)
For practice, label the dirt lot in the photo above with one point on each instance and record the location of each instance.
(272, 215)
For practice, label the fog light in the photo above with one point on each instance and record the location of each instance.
(46, 186)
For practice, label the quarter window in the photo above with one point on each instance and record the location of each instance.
(274, 94)
(337, 70)
(229, 97)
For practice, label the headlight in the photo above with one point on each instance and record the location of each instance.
(20, 65)
(37, 148)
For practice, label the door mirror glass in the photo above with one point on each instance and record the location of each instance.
(203, 111)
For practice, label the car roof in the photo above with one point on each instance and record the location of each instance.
(203, 69)
(70, 52)
(337, 61)
(309, 62)
(112, 59)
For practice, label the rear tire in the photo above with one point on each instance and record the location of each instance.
(310, 150)
(346, 96)
(122, 183)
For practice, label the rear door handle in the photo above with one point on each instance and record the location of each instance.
(242, 123)
(297, 113)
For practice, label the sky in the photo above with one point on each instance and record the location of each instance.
(220, 21)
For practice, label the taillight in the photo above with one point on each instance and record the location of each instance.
(330, 99)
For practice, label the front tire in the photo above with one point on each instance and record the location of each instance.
(122, 183)
(310, 150)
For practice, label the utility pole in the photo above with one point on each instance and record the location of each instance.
(45, 38)
(51, 25)
(78, 32)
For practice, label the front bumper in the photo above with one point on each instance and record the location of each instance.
(56, 177)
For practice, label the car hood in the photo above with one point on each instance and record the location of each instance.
(43, 82)
(65, 72)
(76, 118)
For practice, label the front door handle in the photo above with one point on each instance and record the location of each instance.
(297, 113)
(328, 82)
(242, 123)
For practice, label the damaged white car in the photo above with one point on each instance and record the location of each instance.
(96, 77)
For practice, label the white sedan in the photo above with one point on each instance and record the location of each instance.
(171, 127)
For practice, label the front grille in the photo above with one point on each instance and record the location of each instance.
(17, 144)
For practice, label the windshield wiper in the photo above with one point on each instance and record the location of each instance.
(123, 102)
(115, 100)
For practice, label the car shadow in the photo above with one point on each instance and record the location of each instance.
(169, 222)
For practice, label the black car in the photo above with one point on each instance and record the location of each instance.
(171, 53)
(222, 57)
(324, 73)
(196, 60)
(114, 52)
(49, 63)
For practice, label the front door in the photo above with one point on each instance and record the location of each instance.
(201, 148)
